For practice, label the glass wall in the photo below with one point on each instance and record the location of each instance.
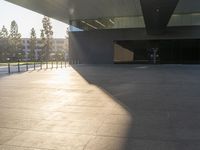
(174, 51)
(192, 19)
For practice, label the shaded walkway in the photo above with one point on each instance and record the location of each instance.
(110, 107)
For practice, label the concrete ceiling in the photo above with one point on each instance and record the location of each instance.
(65, 10)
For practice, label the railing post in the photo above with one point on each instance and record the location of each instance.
(8, 68)
(26, 66)
(34, 65)
(41, 65)
(18, 66)
(46, 65)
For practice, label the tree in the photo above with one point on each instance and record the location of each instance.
(15, 41)
(60, 55)
(47, 36)
(42, 45)
(33, 40)
(4, 44)
(4, 32)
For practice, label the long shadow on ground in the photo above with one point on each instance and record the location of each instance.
(163, 100)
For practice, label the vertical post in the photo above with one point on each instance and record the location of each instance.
(34, 65)
(26, 66)
(18, 66)
(41, 65)
(46, 65)
(65, 63)
(52, 65)
(56, 64)
(8, 68)
(61, 64)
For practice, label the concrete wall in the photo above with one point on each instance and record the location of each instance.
(97, 46)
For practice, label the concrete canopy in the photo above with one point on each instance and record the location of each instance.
(66, 10)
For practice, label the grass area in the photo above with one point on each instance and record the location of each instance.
(15, 63)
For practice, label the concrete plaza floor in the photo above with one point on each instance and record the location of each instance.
(102, 107)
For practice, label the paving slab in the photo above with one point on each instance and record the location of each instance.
(101, 107)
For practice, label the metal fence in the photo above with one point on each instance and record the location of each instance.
(18, 67)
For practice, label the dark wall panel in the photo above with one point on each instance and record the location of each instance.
(90, 47)
(179, 51)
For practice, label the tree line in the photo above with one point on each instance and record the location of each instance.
(11, 47)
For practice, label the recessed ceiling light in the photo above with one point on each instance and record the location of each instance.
(100, 23)
(111, 21)
(89, 25)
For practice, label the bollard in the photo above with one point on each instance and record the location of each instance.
(18, 66)
(34, 65)
(46, 65)
(61, 64)
(41, 65)
(26, 66)
(8, 68)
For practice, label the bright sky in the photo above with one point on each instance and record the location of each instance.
(27, 19)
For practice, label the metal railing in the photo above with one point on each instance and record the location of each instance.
(18, 67)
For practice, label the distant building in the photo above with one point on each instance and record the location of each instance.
(59, 44)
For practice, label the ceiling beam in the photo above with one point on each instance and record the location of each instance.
(157, 14)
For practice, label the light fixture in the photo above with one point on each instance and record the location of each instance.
(100, 23)
(195, 14)
(89, 25)
(111, 21)
(157, 10)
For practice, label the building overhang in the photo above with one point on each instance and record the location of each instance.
(156, 13)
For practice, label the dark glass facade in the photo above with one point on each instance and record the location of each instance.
(176, 51)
